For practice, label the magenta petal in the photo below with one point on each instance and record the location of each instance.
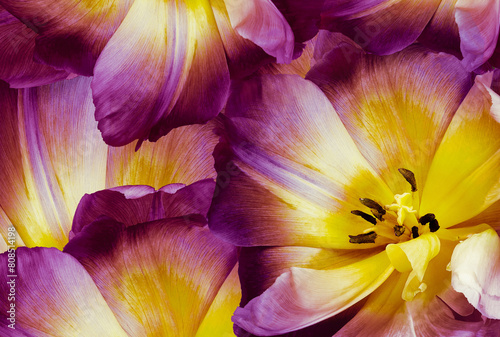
(72, 33)
(380, 27)
(17, 67)
(131, 205)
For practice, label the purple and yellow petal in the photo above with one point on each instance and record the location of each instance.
(144, 262)
(53, 296)
(72, 34)
(45, 174)
(295, 170)
(17, 43)
(182, 78)
(183, 156)
(395, 108)
(471, 150)
(302, 297)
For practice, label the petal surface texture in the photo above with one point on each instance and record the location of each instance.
(302, 297)
(175, 268)
(478, 24)
(471, 150)
(475, 267)
(164, 67)
(17, 67)
(72, 34)
(55, 296)
(51, 155)
(280, 182)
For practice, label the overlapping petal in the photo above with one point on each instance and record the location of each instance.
(53, 296)
(377, 25)
(395, 108)
(471, 150)
(72, 34)
(280, 182)
(17, 43)
(174, 269)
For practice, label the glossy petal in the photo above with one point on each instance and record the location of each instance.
(478, 24)
(183, 156)
(45, 173)
(54, 296)
(17, 43)
(262, 23)
(73, 33)
(163, 68)
(302, 297)
(146, 206)
(376, 25)
(143, 262)
(471, 150)
(280, 182)
(475, 267)
(395, 108)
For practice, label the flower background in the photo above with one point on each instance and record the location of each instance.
(250, 168)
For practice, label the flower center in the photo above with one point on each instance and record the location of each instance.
(401, 222)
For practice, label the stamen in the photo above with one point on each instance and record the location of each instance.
(363, 238)
(399, 230)
(410, 177)
(414, 232)
(377, 210)
(365, 216)
(433, 225)
(427, 218)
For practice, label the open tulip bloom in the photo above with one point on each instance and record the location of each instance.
(367, 193)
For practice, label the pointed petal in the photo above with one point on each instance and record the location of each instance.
(302, 297)
(377, 25)
(181, 79)
(54, 297)
(72, 34)
(159, 278)
(17, 43)
(471, 150)
(146, 206)
(52, 155)
(475, 267)
(284, 169)
(395, 108)
(183, 156)
(259, 20)
(217, 321)
(478, 24)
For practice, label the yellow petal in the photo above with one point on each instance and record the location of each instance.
(464, 178)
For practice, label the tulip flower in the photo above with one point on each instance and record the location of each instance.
(365, 197)
(467, 29)
(158, 65)
(51, 154)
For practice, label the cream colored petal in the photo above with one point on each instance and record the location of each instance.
(475, 267)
